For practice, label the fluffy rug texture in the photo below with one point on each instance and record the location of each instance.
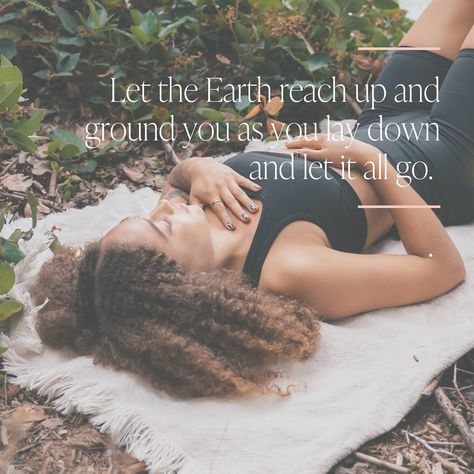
(368, 373)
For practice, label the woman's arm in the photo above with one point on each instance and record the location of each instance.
(342, 284)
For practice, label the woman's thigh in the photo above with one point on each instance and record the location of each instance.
(406, 69)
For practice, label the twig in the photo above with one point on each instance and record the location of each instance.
(448, 465)
(52, 183)
(455, 418)
(353, 103)
(435, 450)
(27, 448)
(456, 386)
(445, 443)
(11, 195)
(355, 106)
(380, 463)
(430, 388)
(169, 149)
(4, 171)
(302, 37)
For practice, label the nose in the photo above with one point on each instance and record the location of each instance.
(163, 208)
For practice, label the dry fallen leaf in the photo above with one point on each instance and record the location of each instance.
(52, 423)
(40, 167)
(252, 112)
(274, 105)
(86, 437)
(17, 182)
(27, 413)
(11, 390)
(42, 209)
(274, 126)
(134, 175)
(222, 59)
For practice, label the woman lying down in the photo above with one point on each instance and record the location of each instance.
(228, 276)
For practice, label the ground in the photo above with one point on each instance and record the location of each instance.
(37, 440)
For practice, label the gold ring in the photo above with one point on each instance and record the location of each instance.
(215, 202)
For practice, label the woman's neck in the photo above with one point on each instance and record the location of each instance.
(231, 247)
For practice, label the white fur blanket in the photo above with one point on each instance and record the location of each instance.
(368, 373)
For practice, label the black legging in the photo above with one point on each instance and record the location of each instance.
(450, 160)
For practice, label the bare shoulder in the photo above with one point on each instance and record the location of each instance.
(293, 257)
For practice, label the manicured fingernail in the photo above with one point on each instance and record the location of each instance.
(230, 225)
(258, 187)
(245, 216)
(252, 207)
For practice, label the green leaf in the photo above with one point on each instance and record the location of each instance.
(68, 22)
(67, 62)
(93, 13)
(7, 47)
(20, 140)
(31, 125)
(3, 350)
(9, 308)
(331, 5)
(175, 25)
(15, 236)
(386, 4)
(11, 85)
(70, 151)
(243, 103)
(64, 137)
(70, 41)
(148, 23)
(10, 252)
(42, 74)
(354, 6)
(139, 35)
(317, 61)
(379, 39)
(351, 23)
(8, 17)
(5, 61)
(7, 277)
(210, 114)
(2, 219)
(98, 15)
(244, 34)
(33, 202)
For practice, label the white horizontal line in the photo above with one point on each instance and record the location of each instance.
(396, 48)
(399, 206)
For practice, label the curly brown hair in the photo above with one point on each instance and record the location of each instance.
(191, 333)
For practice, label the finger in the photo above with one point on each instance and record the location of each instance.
(316, 155)
(195, 201)
(247, 183)
(223, 215)
(316, 142)
(232, 203)
(242, 197)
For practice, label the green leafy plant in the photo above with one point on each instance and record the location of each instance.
(87, 42)
(10, 255)
(17, 122)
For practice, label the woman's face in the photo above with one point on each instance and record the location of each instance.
(179, 230)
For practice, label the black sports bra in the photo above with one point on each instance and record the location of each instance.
(326, 200)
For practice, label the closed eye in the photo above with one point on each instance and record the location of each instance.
(151, 223)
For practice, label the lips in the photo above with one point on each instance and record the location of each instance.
(180, 205)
